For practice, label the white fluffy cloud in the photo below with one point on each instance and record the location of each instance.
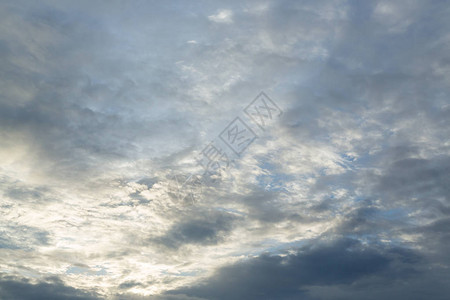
(222, 16)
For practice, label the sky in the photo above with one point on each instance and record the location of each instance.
(188, 150)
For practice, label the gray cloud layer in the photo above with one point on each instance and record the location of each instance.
(345, 196)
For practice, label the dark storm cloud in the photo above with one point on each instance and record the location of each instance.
(265, 207)
(14, 236)
(423, 179)
(24, 193)
(199, 228)
(287, 277)
(262, 206)
(51, 289)
(67, 96)
(130, 284)
(375, 73)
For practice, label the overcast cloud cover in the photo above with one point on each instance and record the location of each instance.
(345, 195)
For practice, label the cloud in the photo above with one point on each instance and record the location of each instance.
(222, 16)
(52, 288)
(345, 195)
(206, 230)
(288, 276)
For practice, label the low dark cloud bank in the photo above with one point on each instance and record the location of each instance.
(345, 263)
